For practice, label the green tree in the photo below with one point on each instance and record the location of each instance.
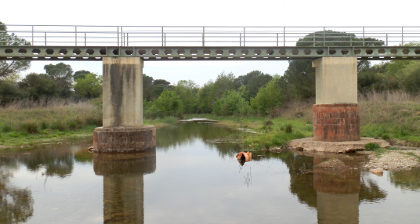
(37, 86)
(270, 96)
(187, 92)
(252, 81)
(80, 74)
(212, 91)
(9, 91)
(10, 67)
(167, 104)
(62, 75)
(232, 103)
(89, 86)
(205, 98)
(411, 82)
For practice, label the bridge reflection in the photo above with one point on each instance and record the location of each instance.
(123, 184)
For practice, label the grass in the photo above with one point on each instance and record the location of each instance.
(23, 124)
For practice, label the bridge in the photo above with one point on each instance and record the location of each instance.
(68, 42)
(123, 49)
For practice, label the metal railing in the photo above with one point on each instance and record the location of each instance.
(208, 36)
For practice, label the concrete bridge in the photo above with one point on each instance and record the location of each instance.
(334, 51)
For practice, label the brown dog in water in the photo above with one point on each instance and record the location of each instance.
(243, 157)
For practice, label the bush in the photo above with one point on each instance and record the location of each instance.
(372, 146)
(29, 127)
(167, 104)
(231, 103)
(58, 125)
(6, 128)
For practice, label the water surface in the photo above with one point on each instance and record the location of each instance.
(192, 179)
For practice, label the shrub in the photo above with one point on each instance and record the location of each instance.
(372, 146)
(29, 127)
(231, 103)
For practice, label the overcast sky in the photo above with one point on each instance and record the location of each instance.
(206, 13)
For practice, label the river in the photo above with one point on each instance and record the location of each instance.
(193, 178)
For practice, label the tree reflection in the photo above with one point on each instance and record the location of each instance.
(16, 205)
(406, 179)
(123, 184)
(170, 136)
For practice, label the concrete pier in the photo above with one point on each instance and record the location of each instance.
(122, 95)
(336, 113)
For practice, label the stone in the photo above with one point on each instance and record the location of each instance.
(312, 145)
(124, 139)
(377, 171)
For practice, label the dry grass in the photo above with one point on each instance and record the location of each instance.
(31, 117)
(388, 115)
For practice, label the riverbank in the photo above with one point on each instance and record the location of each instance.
(394, 117)
(23, 125)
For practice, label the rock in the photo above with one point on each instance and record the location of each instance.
(377, 171)
(308, 144)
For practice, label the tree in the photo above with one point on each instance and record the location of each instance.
(9, 92)
(167, 104)
(62, 75)
(89, 86)
(80, 74)
(252, 81)
(270, 96)
(301, 76)
(231, 103)
(37, 86)
(187, 92)
(10, 67)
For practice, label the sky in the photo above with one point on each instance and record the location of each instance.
(205, 13)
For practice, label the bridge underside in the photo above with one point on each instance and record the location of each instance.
(97, 53)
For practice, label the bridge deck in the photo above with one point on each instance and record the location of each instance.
(71, 42)
(205, 53)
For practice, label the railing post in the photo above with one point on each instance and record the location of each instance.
(85, 40)
(244, 37)
(363, 36)
(127, 39)
(277, 39)
(162, 36)
(284, 36)
(118, 36)
(203, 37)
(33, 36)
(386, 40)
(122, 36)
(75, 35)
(240, 39)
(45, 38)
(323, 42)
(402, 36)
(314, 40)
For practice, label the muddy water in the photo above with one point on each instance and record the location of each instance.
(193, 179)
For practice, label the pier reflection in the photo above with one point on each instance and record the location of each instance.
(123, 184)
(337, 187)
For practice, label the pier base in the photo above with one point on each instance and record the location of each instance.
(124, 139)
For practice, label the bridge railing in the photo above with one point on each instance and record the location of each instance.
(235, 36)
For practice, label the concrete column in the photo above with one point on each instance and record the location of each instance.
(122, 92)
(336, 113)
(122, 95)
